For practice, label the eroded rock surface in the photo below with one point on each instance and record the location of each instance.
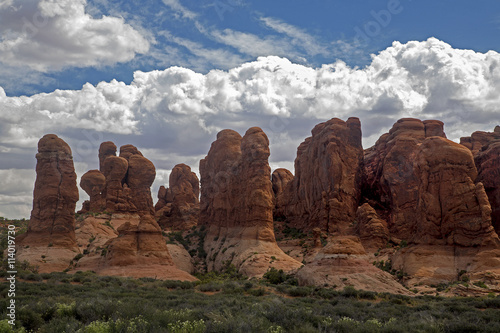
(488, 164)
(479, 139)
(50, 240)
(93, 182)
(139, 250)
(237, 205)
(106, 149)
(452, 209)
(327, 185)
(371, 228)
(390, 183)
(344, 262)
(178, 206)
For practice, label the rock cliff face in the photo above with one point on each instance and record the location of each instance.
(488, 164)
(423, 185)
(51, 229)
(237, 205)
(452, 210)
(327, 185)
(485, 147)
(390, 183)
(178, 206)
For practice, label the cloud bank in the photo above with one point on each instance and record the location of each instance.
(173, 115)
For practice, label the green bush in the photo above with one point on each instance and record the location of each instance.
(29, 319)
(97, 327)
(350, 291)
(480, 284)
(175, 284)
(187, 327)
(66, 310)
(257, 292)
(210, 286)
(274, 276)
(299, 291)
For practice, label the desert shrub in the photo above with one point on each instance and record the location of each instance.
(364, 294)
(210, 286)
(94, 309)
(293, 232)
(274, 276)
(175, 284)
(5, 327)
(97, 327)
(65, 310)
(231, 287)
(147, 279)
(139, 306)
(29, 319)
(172, 316)
(326, 293)
(33, 277)
(299, 291)
(187, 326)
(480, 284)
(247, 285)
(257, 292)
(66, 324)
(350, 291)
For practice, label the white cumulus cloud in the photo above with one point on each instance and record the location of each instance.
(49, 35)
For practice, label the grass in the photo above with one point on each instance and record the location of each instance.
(85, 302)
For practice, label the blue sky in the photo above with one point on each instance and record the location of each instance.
(167, 75)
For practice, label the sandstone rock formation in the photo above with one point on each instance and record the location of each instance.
(141, 175)
(106, 149)
(343, 262)
(488, 164)
(50, 240)
(390, 184)
(117, 193)
(452, 210)
(93, 183)
(480, 139)
(138, 251)
(423, 186)
(371, 228)
(280, 178)
(123, 183)
(327, 185)
(178, 207)
(237, 205)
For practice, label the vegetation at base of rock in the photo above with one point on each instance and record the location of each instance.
(115, 304)
(21, 227)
